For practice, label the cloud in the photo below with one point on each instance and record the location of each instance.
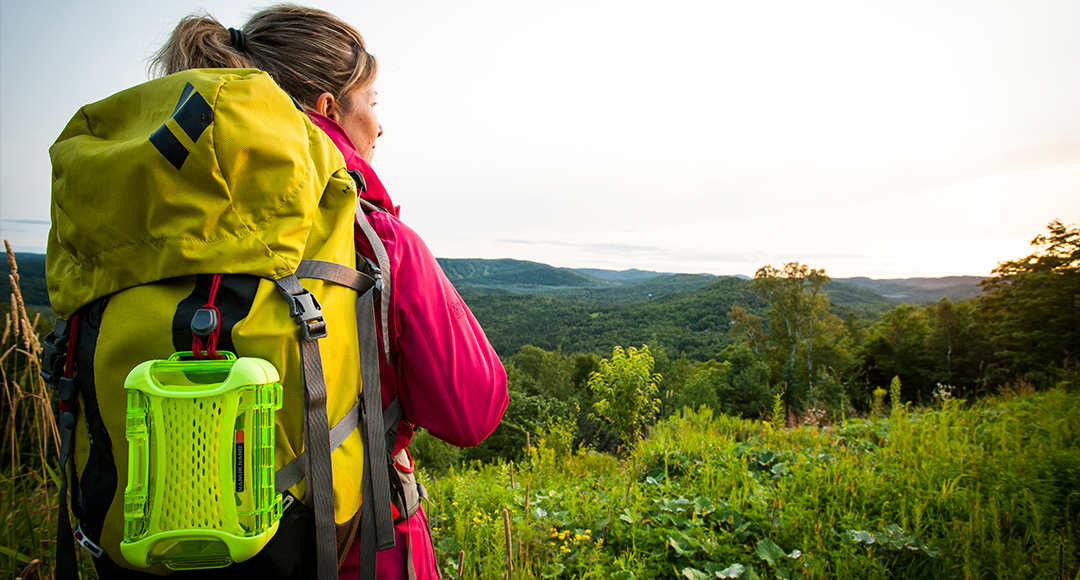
(30, 222)
(684, 255)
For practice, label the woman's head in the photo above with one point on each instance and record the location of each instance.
(308, 52)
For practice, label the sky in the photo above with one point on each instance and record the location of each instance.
(881, 139)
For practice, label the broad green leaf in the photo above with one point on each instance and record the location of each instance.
(694, 574)
(682, 546)
(861, 536)
(703, 505)
(768, 550)
(732, 571)
(554, 569)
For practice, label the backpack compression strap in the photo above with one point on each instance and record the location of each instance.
(320, 476)
(294, 471)
(376, 520)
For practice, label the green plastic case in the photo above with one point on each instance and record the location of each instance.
(200, 490)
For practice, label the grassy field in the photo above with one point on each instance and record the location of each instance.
(986, 490)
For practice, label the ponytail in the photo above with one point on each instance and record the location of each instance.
(307, 51)
(198, 41)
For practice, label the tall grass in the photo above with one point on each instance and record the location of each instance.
(987, 491)
(29, 478)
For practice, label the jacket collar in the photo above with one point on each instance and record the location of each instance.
(376, 193)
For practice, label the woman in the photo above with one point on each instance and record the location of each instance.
(442, 368)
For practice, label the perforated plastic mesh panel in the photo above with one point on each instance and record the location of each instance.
(192, 497)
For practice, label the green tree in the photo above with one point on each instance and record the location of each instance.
(1032, 305)
(748, 327)
(797, 308)
(702, 386)
(958, 348)
(896, 346)
(627, 389)
(542, 372)
(746, 391)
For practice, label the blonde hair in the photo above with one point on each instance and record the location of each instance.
(307, 51)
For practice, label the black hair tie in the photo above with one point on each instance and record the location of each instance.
(236, 38)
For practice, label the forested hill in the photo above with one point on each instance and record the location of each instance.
(589, 310)
(694, 321)
(31, 279)
(476, 276)
(519, 275)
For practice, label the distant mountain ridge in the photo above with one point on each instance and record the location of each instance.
(918, 290)
(474, 276)
(479, 276)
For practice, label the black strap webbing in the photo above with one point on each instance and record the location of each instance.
(55, 360)
(66, 565)
(391, 418)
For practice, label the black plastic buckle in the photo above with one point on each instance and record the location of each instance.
(361, 184)
(371, 269)
(54, 356)
(307, 312)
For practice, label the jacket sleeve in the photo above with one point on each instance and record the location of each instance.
(447, 374)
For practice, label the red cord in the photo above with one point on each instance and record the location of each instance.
(69, 364)
(211, 341)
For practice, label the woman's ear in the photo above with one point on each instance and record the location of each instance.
(326, 105)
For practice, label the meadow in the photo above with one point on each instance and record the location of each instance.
(990, 490)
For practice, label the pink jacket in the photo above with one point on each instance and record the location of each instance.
(442, 366)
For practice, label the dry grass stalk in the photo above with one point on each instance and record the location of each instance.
(527, 499)
(461, 564)
(30, 430)
(14, 278)
(509, 543)
(511, 474)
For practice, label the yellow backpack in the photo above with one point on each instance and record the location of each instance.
(208, 190)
